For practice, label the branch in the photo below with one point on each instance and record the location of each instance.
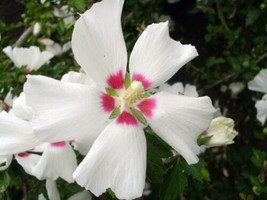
(23, 37)
(261, 58)
(221, 16)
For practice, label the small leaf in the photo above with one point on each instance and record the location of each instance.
(203, 140)
(252, 16)
(174, 182)
(4, 181)
(139, 116)
(61, 27)
(112, 92)
(115, 113)
(127, 81)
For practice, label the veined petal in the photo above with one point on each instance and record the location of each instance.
(175, 88)
(156, 57)
(69, 111)
(190, 90)
(76, 77)
(9, 52)
(27, 56)
(20, 109)
(179, 120)
(83, 145)
(52, 191)
(16, 135)
(58, 160)
(98, 44)
(262, 109)
(84, 195)
(5, 161)
(45, 56)
(117, 160)
(259, 83)
(28, 161)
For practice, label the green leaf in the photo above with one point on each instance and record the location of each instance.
(174, 182)
(195, 169)
(79, 4)
(61, 27)
(203, 140)
(127, 81)
(146, 95)
(115, 113)
(140, 117)
(213, 61)
(112, 92)
(156, 150)
(252, 16)
(4, 181)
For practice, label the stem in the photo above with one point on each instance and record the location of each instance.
(23, 37)
(261, 58)
(221, 16)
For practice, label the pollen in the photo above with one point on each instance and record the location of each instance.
(134, 93)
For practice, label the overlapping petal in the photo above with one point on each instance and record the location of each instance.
(97, 42)
(58, 160)
(156, 57)
(117, 160)
(28, 161)
(262, 109)
(69, 110)
(15, 135)
(179, 120)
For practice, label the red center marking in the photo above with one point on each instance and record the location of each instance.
(147, 106)
(24, 154)
(108, 102)
(58, 144)
(7, 107)
(127, 118)
(116, 80)
(139, 77)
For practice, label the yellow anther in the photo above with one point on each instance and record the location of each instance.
(134, 93)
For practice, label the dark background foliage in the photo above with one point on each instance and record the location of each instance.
(230, 36)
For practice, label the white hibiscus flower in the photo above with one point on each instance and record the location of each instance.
(259, 84)
(117, 158)
(32, 57)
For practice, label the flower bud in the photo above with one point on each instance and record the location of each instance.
(222, 132)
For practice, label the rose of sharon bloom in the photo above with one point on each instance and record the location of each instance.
(222, 132)
(16, 137)
(117, 158)
(259, 84)
(57, 50)
(32, 57)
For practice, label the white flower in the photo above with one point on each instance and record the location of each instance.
(36, 29)
(57, 50)
(16, 137)
(117, 158)
(222, 132)
(236, 88)
(164, 18)
(65, 14)
(5, 161)
(259, 84)
(31, 57)
(46, 41)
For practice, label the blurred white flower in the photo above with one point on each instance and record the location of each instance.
(65, 14)
(236, 88)
(56, 48)
(46, 41)
(164, 18)
(36, 29)
(259, 84)
(222, 131)
(32, 57)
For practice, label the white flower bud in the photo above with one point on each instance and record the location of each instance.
(222, 132)
(36, 29)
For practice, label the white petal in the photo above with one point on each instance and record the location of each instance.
(84, 195)
(156, 57)
(54, 49)
(262, 109)
(76, 77)
(28, 161)
(117, 160)
(83, 145)
(175, 88)
(52, 191)
(41, 197)
(190, 90)
(20, 109)
(9, 99)
(56, 161)
(66, 47)
(9, 52)
(179, 120)
(45, 56)
(97, 41)
(5, 161)
(259, 83)
(69, 110)
(15, 135)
